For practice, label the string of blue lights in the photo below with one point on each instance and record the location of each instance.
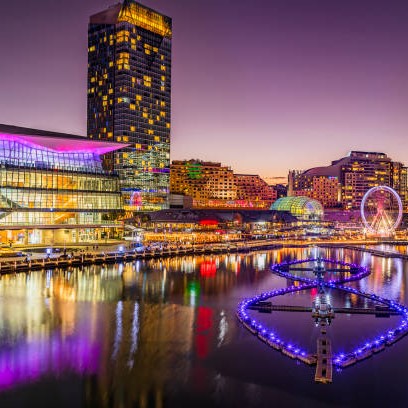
(341, 360)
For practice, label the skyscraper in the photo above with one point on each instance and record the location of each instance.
(129, 98)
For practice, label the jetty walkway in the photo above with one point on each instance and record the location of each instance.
(380, 311)
(372, 251)
(26, 263)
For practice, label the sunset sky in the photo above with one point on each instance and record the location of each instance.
(261, 85)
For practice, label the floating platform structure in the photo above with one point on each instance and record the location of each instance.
(378, 311)
(324, 366)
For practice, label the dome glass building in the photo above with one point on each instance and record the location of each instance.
(303, 208)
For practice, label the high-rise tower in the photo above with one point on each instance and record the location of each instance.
(129, 98)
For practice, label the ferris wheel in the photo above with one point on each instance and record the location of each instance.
(381, 211)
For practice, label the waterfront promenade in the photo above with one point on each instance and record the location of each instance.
(113, 253)
(22, 258)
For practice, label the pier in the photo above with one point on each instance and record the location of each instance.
(22, 264)
(372, 251)
(378, 311)
(324, 365)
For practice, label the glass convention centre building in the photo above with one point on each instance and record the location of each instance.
(54, 188)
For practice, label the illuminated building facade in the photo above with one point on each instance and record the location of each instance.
(325, 189)
(129, 89)
(53, 187)
(403, 191)
(362, 171)
(345, 182)
(207, 183)
(212, 185)
(399, 181)
(251, 187)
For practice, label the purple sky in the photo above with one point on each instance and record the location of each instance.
(261, 85)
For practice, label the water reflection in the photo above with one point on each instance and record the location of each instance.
(29, 361)
(148, 332)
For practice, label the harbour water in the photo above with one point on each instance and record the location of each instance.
(165, 334)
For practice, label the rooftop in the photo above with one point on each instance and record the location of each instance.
(137, 14)
(57, 142)
(220, 216)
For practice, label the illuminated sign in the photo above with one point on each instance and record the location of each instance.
(194, 170)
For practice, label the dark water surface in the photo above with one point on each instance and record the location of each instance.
(164, 334)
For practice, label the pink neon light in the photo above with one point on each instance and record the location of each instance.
(30, 361)
(62, 145)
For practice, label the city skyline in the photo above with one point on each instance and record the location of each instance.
(293, 77)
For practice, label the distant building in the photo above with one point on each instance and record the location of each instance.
(281, 190)
(403, 191)
(251, 187)
(203, 181)
(129, 90)
(326, 189)
(54, 189)
(344, 183)
(212, 185)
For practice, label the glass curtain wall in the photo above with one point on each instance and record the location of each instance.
(42, 186)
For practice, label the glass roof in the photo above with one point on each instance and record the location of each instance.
(301, 207)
